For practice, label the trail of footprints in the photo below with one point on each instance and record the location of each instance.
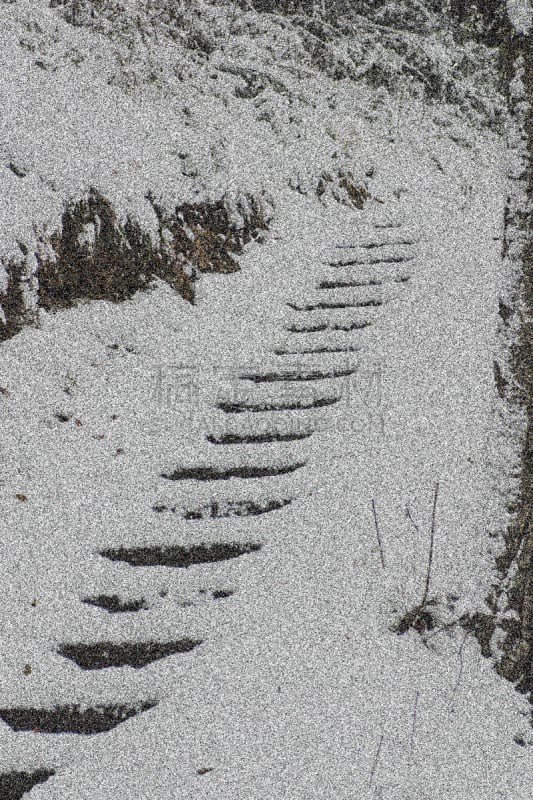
(258, 444)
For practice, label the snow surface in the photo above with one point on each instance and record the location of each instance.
(301, 689)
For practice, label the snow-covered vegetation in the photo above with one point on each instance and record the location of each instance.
(152, 106)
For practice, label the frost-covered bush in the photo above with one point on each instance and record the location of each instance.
(343, 38)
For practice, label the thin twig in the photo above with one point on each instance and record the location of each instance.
(431, 545)
(410, 518)
(380, 543)
(376, 759)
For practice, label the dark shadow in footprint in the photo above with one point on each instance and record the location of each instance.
(349, 284)
(352, 326)
(219, 594)
(373, 245)
(14, 785)
(258, 438)
(71, 718)
(131, 654)
(114, 605)
(181, 557)
(365, 261)
(296, 405)
(312, 350)
(289, 377)
(336, 305)
(227, 508)
(322, 326)
(244, 473)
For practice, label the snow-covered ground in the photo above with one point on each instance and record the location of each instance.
(300, 688)
(174, 102)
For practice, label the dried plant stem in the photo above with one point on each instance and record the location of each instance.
(431, 547)
(378, 534)
(410, 518)
(415, 618)
(376, 759)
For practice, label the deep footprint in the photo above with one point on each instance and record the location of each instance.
(312, 350)
(352, 326)
(14, 785)
(366, 261)
(227, 508)
(280, 377)
(244, 473)
(71, 719)
(131, 654)
(373, 245)
(114, 605)
(325, 306)
(237, 508)
(258, 438)
(321, 326)
(181, 557)
(349, 284)
(240, 408)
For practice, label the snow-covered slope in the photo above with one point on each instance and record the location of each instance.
(151, 106)
(216, 516)
(300, 687)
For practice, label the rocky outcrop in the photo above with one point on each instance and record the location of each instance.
(506, 631)
(95, 256)
(516, 563)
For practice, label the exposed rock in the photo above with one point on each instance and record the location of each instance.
(94, 256)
